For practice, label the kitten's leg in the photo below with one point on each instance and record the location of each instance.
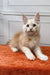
(28, 53)
(14, 49)
(39, 54)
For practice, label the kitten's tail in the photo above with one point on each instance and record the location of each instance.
(8, 42)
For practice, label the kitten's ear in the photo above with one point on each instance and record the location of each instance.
(37, 18)
(24, 19)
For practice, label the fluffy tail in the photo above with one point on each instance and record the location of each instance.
(8, 42)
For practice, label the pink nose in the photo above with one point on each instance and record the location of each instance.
(31, 29)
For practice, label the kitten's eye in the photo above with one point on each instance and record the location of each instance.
(34, 25)
(27, 25)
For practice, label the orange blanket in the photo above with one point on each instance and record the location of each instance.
(17, 63)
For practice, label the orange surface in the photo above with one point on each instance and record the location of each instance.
(17, 63)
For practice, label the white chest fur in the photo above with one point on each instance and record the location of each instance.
(32, 43)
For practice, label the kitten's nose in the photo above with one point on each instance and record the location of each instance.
(31, 29)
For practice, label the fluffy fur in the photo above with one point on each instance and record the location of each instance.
(29, 39)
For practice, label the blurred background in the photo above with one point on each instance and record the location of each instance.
(11, 18)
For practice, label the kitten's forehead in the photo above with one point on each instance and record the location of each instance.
(31, 21)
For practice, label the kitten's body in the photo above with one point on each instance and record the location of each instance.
(21, 39)
(29, 39)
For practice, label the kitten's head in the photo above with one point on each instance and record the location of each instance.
(31, 26)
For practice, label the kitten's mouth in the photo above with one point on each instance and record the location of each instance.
(30, 31)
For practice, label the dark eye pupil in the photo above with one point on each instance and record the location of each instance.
(34, 25)
(27, 25)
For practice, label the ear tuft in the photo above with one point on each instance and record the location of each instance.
(37, 18)
(24, 19)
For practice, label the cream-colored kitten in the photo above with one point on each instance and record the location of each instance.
(29, 39)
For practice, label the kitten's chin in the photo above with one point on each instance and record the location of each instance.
(30, 33)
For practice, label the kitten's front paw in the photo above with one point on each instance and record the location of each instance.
(30, 56)
(43, 57)
(14, 49)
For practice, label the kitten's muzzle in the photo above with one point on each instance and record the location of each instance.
(31, 30)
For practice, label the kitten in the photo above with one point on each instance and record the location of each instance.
(29, 39)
